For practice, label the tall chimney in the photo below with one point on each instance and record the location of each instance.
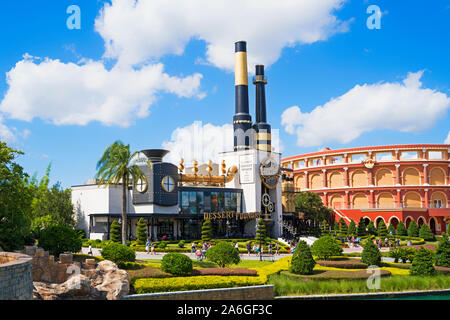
(242, 121)
(262, 128)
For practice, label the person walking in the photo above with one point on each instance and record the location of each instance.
(147, 246)
(193, 247)
(236, 246)
(249, 248)
(152, 248)
(277, 249)
(90, 250)
(269, 247)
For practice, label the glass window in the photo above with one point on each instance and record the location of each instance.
(207, 201)
(185, 202)
(435, 155)
(221, 201)
(410, 155)
(200, 204)
(233, 201)
(238, 202)
(227, 201)
(192, 202)
(214, 204)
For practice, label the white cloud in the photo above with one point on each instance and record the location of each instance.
(204, 142)
(447, 141)
(404, 107)
(6, 134)
(76, 94)
(135, 31)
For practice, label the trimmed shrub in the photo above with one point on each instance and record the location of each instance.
(391, 229)
(371, 255)
(302, 260)
(162, 245)
(325, 248)
(118, 253)
(181, 244)
(261, 232)
(442, 256)
(413, 229)
(352, 228)
(325, 227)
(343, 263)
(335, 227)
(401, 229)
(343, 229)
(426, 233)
(141, 232)
(177, 264)
(382, 230)
(361, 232)
(81, 233)
(371, 230)
(223, 254)
(206, 230)
(59, 239)
(115, 232)
(422, 264)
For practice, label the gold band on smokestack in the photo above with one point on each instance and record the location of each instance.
(240, 69)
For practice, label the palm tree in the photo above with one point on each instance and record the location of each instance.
(115, 167)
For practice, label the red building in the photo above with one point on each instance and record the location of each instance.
(392, 183)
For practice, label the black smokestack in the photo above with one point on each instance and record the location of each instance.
(262, 128)
(242, 121)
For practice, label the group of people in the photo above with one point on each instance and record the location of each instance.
(150, 246)
(387, 243)
(200, 251)
(257, 249)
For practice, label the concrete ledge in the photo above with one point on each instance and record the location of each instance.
(264, 292)
(374, 295)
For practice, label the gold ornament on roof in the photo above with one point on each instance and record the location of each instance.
(195, 169)
(209, 167)
(223, 167)
(181, 165)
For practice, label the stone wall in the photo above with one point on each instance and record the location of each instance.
(240, 293)
(16, 282)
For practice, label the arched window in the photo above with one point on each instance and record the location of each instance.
(360, 201)
(438, 200)
(336, 202)
(359, 179)
(437, 177)
(384, 177)
(385, 200)
(411, 177)
(336, 180)
(316, 182)
(412, 200)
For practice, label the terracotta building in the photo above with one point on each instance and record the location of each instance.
(392, 183)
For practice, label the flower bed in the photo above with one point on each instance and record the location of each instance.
(334, 275)
(343, 263)
(224, 272)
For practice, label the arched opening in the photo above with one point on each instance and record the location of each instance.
(412, 200)
(438, 200)
(394, 221)
(420, 221)
(433, 225)
(385, 200)
(336, 202)
(316, 182)
(335, 180)
(360, 201)
(437, 177)
(367, 221)
(411, 177)
(359, 179)
(407, 221)
(384, 177)
(300, 182)
(377, 221)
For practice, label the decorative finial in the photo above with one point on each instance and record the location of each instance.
(195, 163)
(224, 167)
(209, 168)
(181, 166)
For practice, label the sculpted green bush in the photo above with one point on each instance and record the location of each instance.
(118, 253)
(422, 264)
(223, 254)
(371, 255)
(302, 260)
(177, 264)
(326, 247)
(59, 239)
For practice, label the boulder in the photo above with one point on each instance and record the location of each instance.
(77, 286)
(111, 280)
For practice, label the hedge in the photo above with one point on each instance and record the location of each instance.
(151, 285)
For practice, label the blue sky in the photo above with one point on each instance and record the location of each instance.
(414, 38)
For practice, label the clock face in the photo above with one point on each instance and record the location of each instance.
(141, 185)
(269, 167)
(168, 184)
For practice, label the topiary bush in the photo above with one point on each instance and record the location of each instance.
(59, 239)
(325, 248)
(426, 233)
(162, 245)
(141, 232)
(442, 256)
(371, 230)
(302, 261)
(114, 232)
(261, 235)
(223, 254)
(422, 264)
(177, 264)
(413, 229)
(181, 244)
(371, 255)
(118, 253)
(382, 230)
(361, 231)
(206, 230)
(343, 228)
(352, 228)
(401, 229)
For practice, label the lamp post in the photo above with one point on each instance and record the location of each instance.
(258, 229)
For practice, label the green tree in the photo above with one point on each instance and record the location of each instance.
(343, 228)
(118, 253)
(361, 228)
(141, 232)
(312, 207)
(335, 227)
(391, 229)
(325, 248)
(302, 260)
(371, 230)
(116, 167)
(114, 232)
(442, 256)
(426, 233)
(325, 227)
(59, 239)
(382, 231)
(15, 200)
(352, 228)
(422, 264)
(371, 255)
(413, 229)
(223, 254)
(177, 264)
(206, 230)
(401, 229)
(261, 233)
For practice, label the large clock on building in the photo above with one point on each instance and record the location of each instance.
(270, 171)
